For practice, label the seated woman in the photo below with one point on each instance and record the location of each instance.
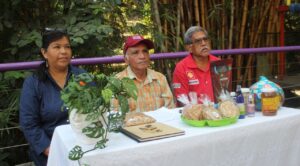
(40, 103)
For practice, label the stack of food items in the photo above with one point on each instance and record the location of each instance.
(137, 118)
(226, 112)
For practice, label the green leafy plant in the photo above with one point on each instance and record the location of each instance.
(92, 94)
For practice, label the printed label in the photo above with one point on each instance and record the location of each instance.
(176, 85)
(270, 104)
(193, 82)
(242, 108)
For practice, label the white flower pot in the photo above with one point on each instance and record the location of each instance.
(78, 122)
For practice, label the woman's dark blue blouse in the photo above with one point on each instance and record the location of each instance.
(41, 110)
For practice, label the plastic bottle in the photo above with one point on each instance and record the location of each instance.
(245, 92)
(240, 101)
(250, 106)
(233, 96)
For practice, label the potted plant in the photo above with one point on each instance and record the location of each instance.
(89, 97)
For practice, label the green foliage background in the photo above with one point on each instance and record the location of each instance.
(96, 28)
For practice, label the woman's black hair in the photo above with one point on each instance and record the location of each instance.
(49, 35)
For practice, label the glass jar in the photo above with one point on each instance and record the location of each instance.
(270, 101)
(256, 89)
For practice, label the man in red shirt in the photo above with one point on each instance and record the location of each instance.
(192, 74)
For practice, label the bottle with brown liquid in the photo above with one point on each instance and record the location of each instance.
(269, 101)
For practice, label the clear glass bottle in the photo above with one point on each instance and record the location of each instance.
(250, 106)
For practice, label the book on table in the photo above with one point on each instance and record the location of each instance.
(151, 131)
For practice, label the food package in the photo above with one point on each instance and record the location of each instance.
(137, 118)
(210, 113)
(256, 89)
(193, 112)
(187, 100)
(221, 75)
(183, 99)
(227, 107)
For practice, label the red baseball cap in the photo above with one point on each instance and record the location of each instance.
(136, 39)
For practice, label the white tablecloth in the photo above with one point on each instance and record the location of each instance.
(256, 141)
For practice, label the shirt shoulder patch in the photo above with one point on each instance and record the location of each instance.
(176, 85)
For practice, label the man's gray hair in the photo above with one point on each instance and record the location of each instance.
(189, 33)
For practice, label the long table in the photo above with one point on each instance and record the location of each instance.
(259, 141)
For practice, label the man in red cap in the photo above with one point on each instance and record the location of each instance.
(153, 89)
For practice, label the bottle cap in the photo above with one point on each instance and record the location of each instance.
(232, 94)
(245, 90)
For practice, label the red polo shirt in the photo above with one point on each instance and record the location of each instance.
(187, 77)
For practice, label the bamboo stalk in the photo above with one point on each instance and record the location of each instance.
(196, 4)
(165, 30)
(203, 16)
(210, 24)
(269, 38)
(274, 30)
(231, 24)
(241, 40)
(251, 58)
(157, 21)
(179, 6)
(243, 25)
(188, 10)
(223, 26)
(182, 20)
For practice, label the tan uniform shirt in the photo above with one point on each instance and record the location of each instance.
(153, 93)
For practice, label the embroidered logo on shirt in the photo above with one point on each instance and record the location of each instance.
(190, 75)
(194, 82)
(176, 85)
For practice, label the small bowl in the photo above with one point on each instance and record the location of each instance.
(195, 123)
(221, 122)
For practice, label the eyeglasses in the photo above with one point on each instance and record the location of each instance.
(48, 30)
(200, 40)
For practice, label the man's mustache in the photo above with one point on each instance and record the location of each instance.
(142, 62)
(204, 48)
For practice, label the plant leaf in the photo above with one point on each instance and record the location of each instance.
(123, 104)
(106, 94)
(101, 144)
(94, 130)
(129, 87)
(76, 153)
(115, 84)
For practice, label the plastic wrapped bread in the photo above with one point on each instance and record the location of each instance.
(137, 118)
(210, 113)
(193, 112)
(229, 109)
